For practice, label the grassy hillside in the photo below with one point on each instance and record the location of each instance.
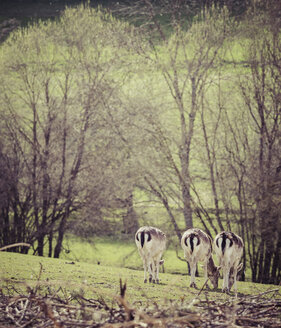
(95, 280)
(117, 253)
(60, 293)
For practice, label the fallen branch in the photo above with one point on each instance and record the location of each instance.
(14, 245)
(50, 310)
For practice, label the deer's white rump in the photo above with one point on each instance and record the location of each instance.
(197, 247)
(151, 243)
(229, 249)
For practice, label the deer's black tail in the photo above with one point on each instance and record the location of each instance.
(141, 237)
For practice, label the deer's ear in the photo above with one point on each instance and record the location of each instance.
(219, 267)
(161, 262)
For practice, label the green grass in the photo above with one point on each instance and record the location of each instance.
(100, 281)
(120, 253)
(116, 253)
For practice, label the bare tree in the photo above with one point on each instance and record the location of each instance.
(249, 160)
(56, 82)
(184, 58)
(262, 99)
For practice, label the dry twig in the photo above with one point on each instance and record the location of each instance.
(35, 310)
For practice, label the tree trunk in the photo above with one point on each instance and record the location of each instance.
(187, 136)
(167, 207)
(210, 164)
(187, 210)
(61, 232)
(50, 240)
(130, 219)
(6, 231)
(40, 247)
(260, 262)
(276, 261)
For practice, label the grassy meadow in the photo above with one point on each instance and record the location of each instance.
(19, 273)
(94, 267)
(117, 253)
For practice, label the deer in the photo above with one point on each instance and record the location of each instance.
(197, 246)
(238, 275)
(229, 249)
(151, 243)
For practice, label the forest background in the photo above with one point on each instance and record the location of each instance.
(164, 113)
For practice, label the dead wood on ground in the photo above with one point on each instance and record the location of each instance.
(52, 310)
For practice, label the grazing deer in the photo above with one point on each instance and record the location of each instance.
(151, 243)
(197, 246)
(238, 275)
(229, 249)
